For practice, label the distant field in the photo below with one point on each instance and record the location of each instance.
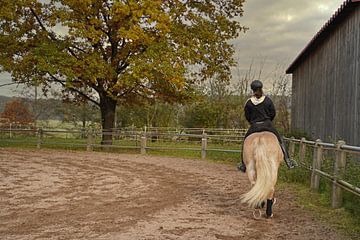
(61, 124)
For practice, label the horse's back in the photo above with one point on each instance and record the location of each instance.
(269, 136)
(262, 138)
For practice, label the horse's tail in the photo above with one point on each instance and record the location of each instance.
(266, 172)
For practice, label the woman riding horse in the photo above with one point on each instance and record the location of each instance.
(262, 152)
(260, 112)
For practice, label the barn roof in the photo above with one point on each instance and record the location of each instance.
(344, 10)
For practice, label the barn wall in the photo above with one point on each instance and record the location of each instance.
(326, 86)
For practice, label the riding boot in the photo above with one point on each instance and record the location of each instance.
(269, 205)
(242, 167)
(290, 164)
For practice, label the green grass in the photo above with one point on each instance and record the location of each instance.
(318, 205)
(57, 124)
(346, 219)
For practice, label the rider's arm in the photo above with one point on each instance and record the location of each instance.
(271, 109)
(247, 111)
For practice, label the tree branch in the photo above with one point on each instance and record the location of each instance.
(50, 34)
(55, 79)
(7, 84)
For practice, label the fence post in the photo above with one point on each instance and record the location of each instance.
(10, 134)
(292, 147)
(203, 145)
(143, 143)
(89, 146)
(339, 170)
(317, 157)
(302, 150)
(39, 138)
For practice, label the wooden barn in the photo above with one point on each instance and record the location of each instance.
(326, 80)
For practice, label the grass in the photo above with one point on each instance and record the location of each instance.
(318, 204)
(346, 219)
(58, 124)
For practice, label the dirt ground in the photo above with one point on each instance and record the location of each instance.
(46, 194)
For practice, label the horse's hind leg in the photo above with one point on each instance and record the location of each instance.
(251, 174)
(270, 198)
(252, 178)
(270, 203)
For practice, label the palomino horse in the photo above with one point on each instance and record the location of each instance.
(262, 156)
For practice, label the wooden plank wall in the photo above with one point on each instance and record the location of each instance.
(326, 86)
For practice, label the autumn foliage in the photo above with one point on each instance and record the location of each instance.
(16, 112)
(119, 52)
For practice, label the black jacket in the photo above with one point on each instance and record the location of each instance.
(261, 112)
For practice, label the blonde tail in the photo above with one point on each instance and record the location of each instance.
(266, 173)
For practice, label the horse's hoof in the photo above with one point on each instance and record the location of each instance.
(269, 216)
(257, 214)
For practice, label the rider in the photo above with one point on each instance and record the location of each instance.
(259, 112)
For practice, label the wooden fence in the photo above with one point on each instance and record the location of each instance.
(200, 139)
(340, 150)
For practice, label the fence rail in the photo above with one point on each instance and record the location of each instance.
(201, 140)
(339, 165)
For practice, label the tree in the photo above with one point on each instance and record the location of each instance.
(281, 92)
(16, 112)
(116, 51)
(82, 112)
(156, 115)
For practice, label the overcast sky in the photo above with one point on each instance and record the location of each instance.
(278, 31)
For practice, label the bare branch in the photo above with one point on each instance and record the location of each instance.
(7, 84)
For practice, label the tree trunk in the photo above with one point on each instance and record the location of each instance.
(107, 108)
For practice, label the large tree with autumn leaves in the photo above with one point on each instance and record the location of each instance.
(112, 52)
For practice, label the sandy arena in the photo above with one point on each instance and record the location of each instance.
(47, 194)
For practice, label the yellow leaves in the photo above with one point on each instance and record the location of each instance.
(92, 67)
(123, 43)
(140, 22)
(159, 68)
(120, 11)
(136, 36)
(7, 10)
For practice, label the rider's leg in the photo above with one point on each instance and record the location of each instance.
(242, 167)
(290, 164)
(269, 205)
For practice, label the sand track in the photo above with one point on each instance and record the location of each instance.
(50, 194)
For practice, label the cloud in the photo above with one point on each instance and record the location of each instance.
(279, 30)
(8, 90)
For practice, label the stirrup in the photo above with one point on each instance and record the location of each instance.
(291, 164)
(242, 168)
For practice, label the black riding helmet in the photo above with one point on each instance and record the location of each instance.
(255, 85)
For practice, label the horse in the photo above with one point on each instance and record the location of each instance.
(262, 156)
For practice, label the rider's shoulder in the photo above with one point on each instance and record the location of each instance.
(268, 98)
(247, 101)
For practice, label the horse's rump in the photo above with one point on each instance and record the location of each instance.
(262, 156)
